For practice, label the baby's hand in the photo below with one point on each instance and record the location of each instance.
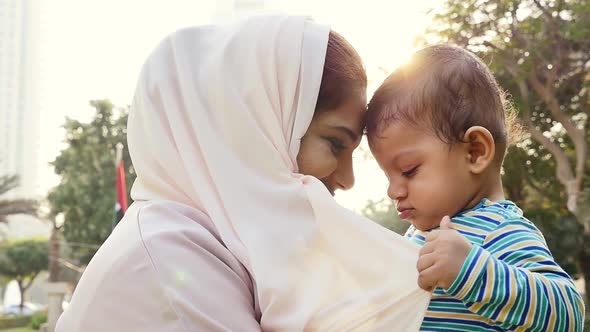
(442, 257)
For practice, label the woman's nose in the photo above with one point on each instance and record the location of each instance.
(344, 174)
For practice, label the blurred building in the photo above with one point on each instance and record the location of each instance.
(20, 93)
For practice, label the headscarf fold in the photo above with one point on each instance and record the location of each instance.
(216, 124)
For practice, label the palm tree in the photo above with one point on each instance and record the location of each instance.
(14, 206)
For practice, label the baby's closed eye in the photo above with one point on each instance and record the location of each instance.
(409, 171)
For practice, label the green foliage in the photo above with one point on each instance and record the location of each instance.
(38, 319)
(86, 194)
(23, 259)
(10, 322)
(529, 181)
(384, 213)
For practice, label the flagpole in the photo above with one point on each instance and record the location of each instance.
(118, 153)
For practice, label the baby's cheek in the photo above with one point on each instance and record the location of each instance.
(431, 196)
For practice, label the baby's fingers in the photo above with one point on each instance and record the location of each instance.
(425, 261)
(427, 279)
(428, 248)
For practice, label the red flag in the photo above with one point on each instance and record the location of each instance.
(121, 204)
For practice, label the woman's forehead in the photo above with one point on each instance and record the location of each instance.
(349, 114)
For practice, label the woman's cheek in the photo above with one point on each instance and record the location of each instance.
(317, 160)
(325, 165)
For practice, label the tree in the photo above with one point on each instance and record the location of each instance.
(86, 193)
(22, 260)
(534, 189)
(14, 206)
(540, 51)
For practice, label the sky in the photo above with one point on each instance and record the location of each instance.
(95, 49)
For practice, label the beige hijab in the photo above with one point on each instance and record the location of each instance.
(216, 124)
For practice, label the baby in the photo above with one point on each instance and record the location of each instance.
(439, 129)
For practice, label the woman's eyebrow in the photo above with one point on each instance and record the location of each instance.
(354, 137)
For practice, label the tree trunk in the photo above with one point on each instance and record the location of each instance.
(22, 295)
(54, 252)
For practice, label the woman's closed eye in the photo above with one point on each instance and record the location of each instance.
(336, 145)
(410, 172)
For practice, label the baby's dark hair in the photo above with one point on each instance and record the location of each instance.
(448, 89)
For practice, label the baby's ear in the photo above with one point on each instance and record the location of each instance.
(481, 148)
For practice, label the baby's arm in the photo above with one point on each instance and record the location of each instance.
(513, 280)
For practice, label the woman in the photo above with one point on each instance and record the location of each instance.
(231, 229)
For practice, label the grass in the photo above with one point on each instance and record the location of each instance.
(19, 329)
